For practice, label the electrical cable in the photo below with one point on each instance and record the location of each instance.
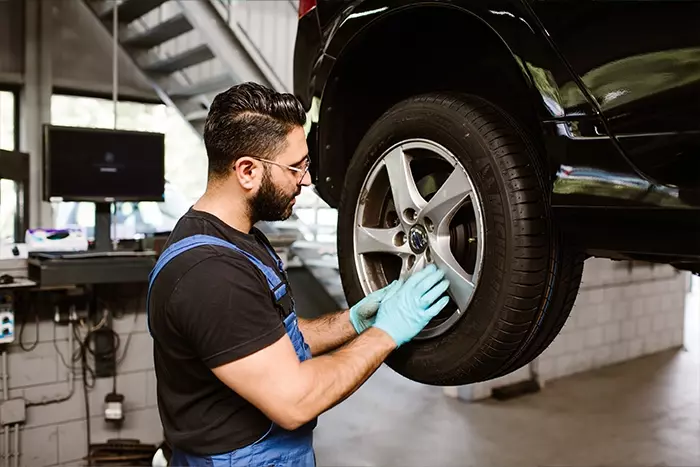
(121, 306)
(83, 356)
(71, 376)
(58, 351)
(128, 340)
(85, 348)
(21, 330)
(102, 322)
(83, 352)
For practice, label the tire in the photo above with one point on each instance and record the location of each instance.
(516, 277)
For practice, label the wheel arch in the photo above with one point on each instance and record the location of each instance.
(376, 66)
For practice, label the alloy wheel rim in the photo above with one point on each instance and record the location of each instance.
(418, 205)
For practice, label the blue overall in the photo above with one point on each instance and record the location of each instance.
(278, 447)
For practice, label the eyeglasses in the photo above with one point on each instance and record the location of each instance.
(306, 162)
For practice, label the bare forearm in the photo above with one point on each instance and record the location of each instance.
(327, 332)
(329, 379)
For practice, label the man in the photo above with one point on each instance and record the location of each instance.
(241, 380)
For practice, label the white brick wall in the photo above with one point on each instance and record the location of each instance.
(623, 311)
(55, 434)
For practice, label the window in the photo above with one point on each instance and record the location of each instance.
(8, 188)
(185, 164)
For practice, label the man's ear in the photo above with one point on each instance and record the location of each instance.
(247, 173)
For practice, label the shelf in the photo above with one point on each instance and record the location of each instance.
(97, 270)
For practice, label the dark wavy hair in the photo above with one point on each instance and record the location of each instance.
(249, 119)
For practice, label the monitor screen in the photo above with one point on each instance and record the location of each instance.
(87, 164)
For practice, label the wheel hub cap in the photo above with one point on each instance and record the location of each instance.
(418, 239)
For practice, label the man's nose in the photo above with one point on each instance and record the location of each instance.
(306, 179)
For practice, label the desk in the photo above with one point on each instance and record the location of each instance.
(19, 283)
(51, 271)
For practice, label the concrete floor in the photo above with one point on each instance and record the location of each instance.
(640, 413)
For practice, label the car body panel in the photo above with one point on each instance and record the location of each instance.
(607, 148)
(640, 62)
(509, 19)
(329, 10)
(307, 53)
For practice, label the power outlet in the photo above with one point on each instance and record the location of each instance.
(7, 324)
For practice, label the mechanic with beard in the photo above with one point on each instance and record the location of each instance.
(241, 379)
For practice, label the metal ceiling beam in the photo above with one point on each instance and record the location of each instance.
(163, 32)
(188, 58)
(129, 10)
(207, 86)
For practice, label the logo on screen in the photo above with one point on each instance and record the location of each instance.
(108, 166)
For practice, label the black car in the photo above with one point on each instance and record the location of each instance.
(505, 141)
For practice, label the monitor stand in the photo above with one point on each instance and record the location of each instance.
(103, 227)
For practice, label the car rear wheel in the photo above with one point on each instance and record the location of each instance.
(451, 180)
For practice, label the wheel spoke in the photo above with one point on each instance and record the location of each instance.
(418, 264)
(405, 269)
(403, 186)
(373, 240)
(461, 283)
(447, 200)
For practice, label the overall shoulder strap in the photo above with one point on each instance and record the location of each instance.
(266, 242)
(275, 284)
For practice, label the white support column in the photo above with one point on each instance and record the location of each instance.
(35, 102)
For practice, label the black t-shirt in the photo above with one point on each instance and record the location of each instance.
(209, 306)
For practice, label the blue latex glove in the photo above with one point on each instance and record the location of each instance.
(408, 309)
(364, 312)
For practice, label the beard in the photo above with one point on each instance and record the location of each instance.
(271, 203)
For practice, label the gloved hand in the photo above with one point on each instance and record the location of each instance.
(408, 309)
(364, 312)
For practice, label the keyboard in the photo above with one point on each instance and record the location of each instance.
(92, 254)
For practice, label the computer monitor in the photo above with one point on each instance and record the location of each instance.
(100, 165)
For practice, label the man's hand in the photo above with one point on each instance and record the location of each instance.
(364, 312)
(332, 330)
(407, 310)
